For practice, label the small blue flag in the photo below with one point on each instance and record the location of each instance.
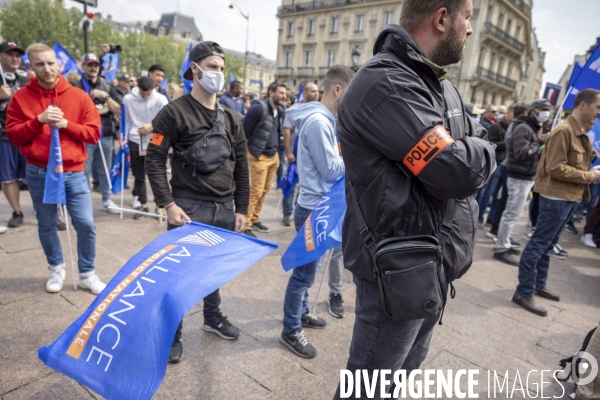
(120, 346)
(118, 168)
(123, 124)
(110, 66)
(289, 180)
(85, 84)
(66, 63)
(320, 232)
(164, 83)
(25, 61)
(187, 84)
(230, 79)
(588, 78)
(54, 187)
(300, 97)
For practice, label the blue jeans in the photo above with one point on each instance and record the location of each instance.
(490, 192)
(79, 205)
(499, 204)
(295, 302)
(94, 163)
(535, 260)
(380, 343)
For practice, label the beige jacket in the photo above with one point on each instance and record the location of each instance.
(564, 169)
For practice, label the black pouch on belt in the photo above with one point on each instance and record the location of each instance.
(409, 270)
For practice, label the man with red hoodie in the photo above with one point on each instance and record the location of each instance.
(28, 126)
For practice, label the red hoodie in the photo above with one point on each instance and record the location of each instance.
(25, 131)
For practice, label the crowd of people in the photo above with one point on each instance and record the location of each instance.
(212, 156)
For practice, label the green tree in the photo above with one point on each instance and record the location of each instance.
(235, 66)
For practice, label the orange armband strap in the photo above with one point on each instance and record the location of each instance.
(427, 149)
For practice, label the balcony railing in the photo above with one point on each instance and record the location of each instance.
(285, 71)
(495, 77)
(305, 71)
(316, 5)
(504, 37)
(521, 5)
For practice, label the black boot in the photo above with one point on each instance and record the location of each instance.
(176, 353)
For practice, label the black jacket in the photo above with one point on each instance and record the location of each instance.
(20, 81)
(108, 126)
(523, 149)
(258, 125)
(496, 135)
(393, 101)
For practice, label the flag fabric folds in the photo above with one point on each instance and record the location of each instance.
(320, 232)
(120, 346)
(164, 83)
(187, 84)
(300, 96)
(587, 78)
(54, 187)
(66, 63)
(110, 66)
(551, 93)
(119, 167)
(289, 180)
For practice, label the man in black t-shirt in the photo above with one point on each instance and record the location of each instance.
(218, 198)
(108, 104)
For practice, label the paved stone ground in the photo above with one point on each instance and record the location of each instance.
(482, 329)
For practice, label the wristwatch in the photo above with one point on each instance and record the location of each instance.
(106, 98)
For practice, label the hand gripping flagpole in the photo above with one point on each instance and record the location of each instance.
(322, 280)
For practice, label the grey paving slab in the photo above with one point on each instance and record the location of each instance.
(53, 386)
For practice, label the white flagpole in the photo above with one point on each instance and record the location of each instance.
(2, 72)
(104, 162)
(70, 246)
(278, 204)
(122, 210)
(122, 180)
(322, 280)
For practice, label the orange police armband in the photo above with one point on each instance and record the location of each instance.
(427, 149)
(157, 139)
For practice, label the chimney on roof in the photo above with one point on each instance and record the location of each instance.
(109, 18)
(172, 31)
(161, 31)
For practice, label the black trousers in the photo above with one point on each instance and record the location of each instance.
(139, 172)
(216, 214)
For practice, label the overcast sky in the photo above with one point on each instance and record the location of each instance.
(564, 27)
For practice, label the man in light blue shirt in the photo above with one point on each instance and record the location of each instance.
(233, 100)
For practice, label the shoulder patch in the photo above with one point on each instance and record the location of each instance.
(157, 139)
(427, 149)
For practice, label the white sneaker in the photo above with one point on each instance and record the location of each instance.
(588, 240)
(93, 283)
(109, 206)
(55, 283)
(136, 203)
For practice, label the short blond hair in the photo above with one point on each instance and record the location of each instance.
(38, 48)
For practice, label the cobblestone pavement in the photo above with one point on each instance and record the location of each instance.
(482, 329)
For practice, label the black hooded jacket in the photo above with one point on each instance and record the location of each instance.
(523, 148)
(393, 102)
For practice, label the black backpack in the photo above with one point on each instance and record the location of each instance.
(211, 150)
(564, 361)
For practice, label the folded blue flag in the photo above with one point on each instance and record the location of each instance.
(320, 232)
(587, 77)
(288, 180)
(66, 63)
(120, 346)
(120, 166)
(54, 186)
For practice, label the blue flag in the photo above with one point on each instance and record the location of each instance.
(25, 61)
(66, 63)
(300, 96)
(85, 84)
(577, 67)
(289, 180)
(110, 66)
(187, 84)
(118, 168)
(588, 78)
(120, 346)
(164, 83)
(230, 79)
(54, 187)
(320, 232)
(596, 138)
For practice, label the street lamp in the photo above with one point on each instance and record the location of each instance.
(355, 56)
(247, 16)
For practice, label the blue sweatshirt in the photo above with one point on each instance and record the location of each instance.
(320, 162)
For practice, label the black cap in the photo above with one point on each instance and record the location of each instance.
(8, 46)
(539, 103)
(200, 51)
(124, 77)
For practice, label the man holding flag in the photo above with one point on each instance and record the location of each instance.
(28, 126)
(107, 104)
(218, 196)
(320, 166)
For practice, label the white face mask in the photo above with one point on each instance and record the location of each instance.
(500, 115)
(543, 116)
(211, 81)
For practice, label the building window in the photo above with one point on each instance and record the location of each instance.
(510, 70)
(500, 65)
(308, 58)
(288, 60)
(492, 61)
(311, 28)
(330, 58)
(334, 25)
(509, 26)
(360, 23)
(489, 14)
(501, 20)
(518, 33)
(290, 32)
(389, 16)
(481, 54)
